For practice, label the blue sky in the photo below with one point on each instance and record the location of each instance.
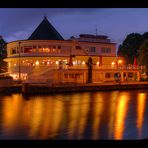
(19, 23)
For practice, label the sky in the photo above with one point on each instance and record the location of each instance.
(19, 23)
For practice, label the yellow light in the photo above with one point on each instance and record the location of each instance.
(9, 64)
(120, 61)
(83, 62)
(141, 104)
(47, 62)
(57, 62)
(113, 63)
(97, 63)
(74, 62)
(37, 63)
(14, 64)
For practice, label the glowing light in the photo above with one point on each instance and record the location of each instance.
(14, 64)
(37, 63)
(113, 63)
(43, 62)
(140, 111)
(121, 113)
(74, 62)
(120, 61)
(9, 64)
(83, 62)
(97, 63)
(48, 63)
(57, 62)
(97, 112)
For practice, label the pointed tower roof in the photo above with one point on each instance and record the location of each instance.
(45, 31)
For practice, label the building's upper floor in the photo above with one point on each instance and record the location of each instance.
(59, 48)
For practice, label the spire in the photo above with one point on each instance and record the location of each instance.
(96, 30)
(45, 16)
(45, 31)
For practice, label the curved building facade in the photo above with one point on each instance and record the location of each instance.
(42, 58)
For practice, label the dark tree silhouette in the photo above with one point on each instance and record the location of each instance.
(3, 54)
(130, 47)
(143, 54)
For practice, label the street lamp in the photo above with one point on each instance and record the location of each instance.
(19, 61)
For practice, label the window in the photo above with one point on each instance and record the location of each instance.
(130, 75)
(13, 51)
(59, 47)
(27, 49)
(107, 75)
(66, 76)
(92, 49)
(77, 76)
(105, 50)
(72, 75)
(78, 47)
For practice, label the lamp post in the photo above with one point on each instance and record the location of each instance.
(19, 61)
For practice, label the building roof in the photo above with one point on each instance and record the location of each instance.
(45, 31)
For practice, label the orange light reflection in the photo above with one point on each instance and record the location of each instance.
(141, 100)
(121, 112)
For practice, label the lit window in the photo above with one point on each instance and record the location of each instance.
(107, 75)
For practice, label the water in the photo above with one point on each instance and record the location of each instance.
(88, 115)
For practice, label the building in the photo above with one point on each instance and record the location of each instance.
(46, 57)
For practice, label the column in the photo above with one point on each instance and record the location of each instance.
(122, 76)
(138, 76)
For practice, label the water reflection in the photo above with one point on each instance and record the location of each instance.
(97, 111)
(141, 102)
(97, 115)
(121, 112)
(113, 100)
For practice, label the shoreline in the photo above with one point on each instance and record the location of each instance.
(29, 89)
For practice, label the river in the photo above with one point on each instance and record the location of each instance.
(88, 115)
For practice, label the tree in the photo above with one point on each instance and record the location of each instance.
(3, 54)
(143, 54)
(130, 46)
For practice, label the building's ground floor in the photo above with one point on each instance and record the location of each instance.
(55, 76)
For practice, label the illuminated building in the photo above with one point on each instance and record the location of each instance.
(46, 57)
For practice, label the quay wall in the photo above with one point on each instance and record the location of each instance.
(42, 89)
(28, 89)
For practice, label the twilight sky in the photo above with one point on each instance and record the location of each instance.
(19, 23)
